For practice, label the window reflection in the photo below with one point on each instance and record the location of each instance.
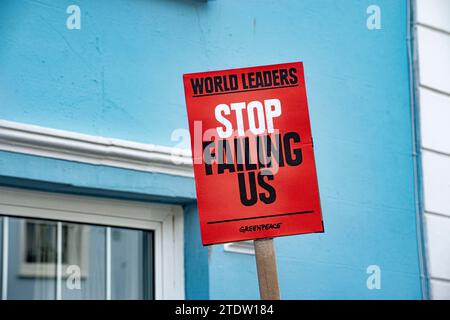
(31, 259)
(37, 247)
(84, 271)
(49, 260)
(129, 267)
(1, 257)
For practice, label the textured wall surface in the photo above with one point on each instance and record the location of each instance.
(120, 76)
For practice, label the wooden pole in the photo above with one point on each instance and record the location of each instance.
(267, 269)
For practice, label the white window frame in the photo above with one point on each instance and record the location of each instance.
(166, 221)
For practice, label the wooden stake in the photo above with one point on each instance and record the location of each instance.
(267, 269)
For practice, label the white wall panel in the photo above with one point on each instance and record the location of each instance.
(434, 58)
(438, 246)
(435, 120)
(433, 42)
(436, 183)
(434, 13)
(439, 290)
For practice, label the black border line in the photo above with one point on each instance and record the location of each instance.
(261, 217)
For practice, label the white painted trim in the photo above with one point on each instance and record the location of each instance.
(244, 247)
(165, 221)
(67, 145)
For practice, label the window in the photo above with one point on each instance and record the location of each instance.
(71, 247)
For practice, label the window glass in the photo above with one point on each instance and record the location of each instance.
(32, 254)
(1, 255)
(85, 251)
(131, 264)
(84, 261)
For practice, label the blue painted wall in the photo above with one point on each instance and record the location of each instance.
(120, 76)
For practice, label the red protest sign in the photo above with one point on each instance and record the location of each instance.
(253, 156)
